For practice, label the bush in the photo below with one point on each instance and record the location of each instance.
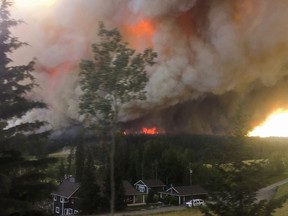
(170, 200)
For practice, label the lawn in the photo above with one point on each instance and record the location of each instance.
(282, 211)
(186, 212)
(195, 212)
(282, 191)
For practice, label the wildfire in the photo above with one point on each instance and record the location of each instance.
(64, 67)
(150, 131)
(276, 125)
(144, 130)
(140, 34)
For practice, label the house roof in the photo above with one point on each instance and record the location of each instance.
(151, 182)
(66, 189)
(130, 190)
(186, 190)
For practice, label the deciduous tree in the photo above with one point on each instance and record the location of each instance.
(115, 76)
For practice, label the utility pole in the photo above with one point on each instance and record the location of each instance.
(190, 172)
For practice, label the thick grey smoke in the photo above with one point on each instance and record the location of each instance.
(213, 55)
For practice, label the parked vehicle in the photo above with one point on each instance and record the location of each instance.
(195, 202)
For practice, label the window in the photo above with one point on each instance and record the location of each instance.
(141, 188)
(61, 199)
(57, 210)
(76, 211)
(70, 211)
(66, 211)
(55, 198)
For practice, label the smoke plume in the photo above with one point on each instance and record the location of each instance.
(212, 56)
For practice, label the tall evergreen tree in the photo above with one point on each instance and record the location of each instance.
(22, 181)
(89, 191)
(115, 76)
(79, 161)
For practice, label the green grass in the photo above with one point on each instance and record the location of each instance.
(281, 191)
(186, 212)
(282, 211)
(275, 178)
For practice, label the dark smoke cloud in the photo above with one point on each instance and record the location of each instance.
(213, 55)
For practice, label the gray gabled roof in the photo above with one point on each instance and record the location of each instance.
(151, 183)
(130, 190)
(186, 190)
(66, 189)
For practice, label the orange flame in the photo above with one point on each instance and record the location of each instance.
(140, 34)
(64, 67)
(275, 125)
(144, 27)
(149, 131)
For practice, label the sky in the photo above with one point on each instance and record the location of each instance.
(213, 56)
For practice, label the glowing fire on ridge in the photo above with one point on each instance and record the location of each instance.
(276, 125)
(150, 131)
(144, 130)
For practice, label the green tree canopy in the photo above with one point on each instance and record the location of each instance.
(115, 76)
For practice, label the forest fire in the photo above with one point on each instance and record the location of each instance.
(149, 131)
(145, 131)
(140, 33)
(62, 68)
(274, 126)
(212, 55)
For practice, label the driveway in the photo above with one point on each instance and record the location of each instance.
(268, 192)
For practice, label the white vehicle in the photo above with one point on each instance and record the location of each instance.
(195, 202)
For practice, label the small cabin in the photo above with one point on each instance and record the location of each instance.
(65, 198)
(146, 185)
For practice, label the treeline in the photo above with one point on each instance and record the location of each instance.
(169, 158)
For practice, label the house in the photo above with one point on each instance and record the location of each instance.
(185, 193)
(147, 185)
(65, 197)
(133, 196)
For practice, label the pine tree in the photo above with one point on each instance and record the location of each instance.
(15, 82)
(79, 161)
(22, 181)
(61, 171)
(89, 190)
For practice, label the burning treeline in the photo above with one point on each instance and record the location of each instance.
(212, 55)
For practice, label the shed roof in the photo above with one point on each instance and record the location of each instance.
(66, 189)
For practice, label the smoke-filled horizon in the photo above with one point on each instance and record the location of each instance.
(212, 55)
